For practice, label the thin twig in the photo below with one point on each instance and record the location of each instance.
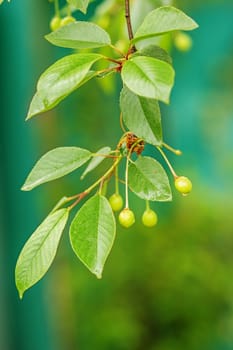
(108, 173)
(129, 25)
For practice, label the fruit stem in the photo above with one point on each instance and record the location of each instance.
(126, 183)
(175, 151)
(168, 163)
(147, 205)
(68, 11)
(56, 8)
(127, 173)
(116, 181)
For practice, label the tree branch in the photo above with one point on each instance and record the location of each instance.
(129, 24)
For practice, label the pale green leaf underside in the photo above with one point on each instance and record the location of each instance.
(149, 77)
(55, 164)
(79, 35)
(148, 180)
(163, 20)
(60, 79)
(92, 233)
(141, 116)
(39, 251)
(79, 4)
(96, 160)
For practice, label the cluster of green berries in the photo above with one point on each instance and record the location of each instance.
(149, 217)
(58, 22)
(126, 216)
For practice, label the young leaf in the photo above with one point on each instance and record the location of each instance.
(148, 77)
(92, 233)
(148, 180)
(141, 116)
(155, 52)
(60, 79)
(96, 160)
(79, 4)
(163, 20)
(55, 164)
(79, 35)
(39, 251)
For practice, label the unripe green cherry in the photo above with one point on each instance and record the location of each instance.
(126, 218)
(183, 41)
(55, 23)
(149, 218)
(116, 202)
(183, 184)
(67, 20)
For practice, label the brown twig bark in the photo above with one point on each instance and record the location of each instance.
(129, 24)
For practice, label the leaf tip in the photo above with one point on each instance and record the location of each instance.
(98, 273)
(20, 295)
(19, 289)
(30, 115)
(47, 37)
(166, 100)
(25, 188)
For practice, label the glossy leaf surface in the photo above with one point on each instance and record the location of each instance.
(55, 164)
(141, 116)
(60, 79)
(148, 77)
(163, 20)
(92, 233)
(39, 251)
(148, 180)
(79, 35)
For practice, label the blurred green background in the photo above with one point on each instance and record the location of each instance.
(166, 288)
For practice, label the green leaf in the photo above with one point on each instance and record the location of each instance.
(148, 180)
(92, 233)
(60, 79)
(163, 20)
(155, 52)
(141, 116)
(80, 35)
(79, 4)
(39, 251)
(148, 77)
(55, 164)
(96, 160)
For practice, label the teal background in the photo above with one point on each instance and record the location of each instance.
(167, 288)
